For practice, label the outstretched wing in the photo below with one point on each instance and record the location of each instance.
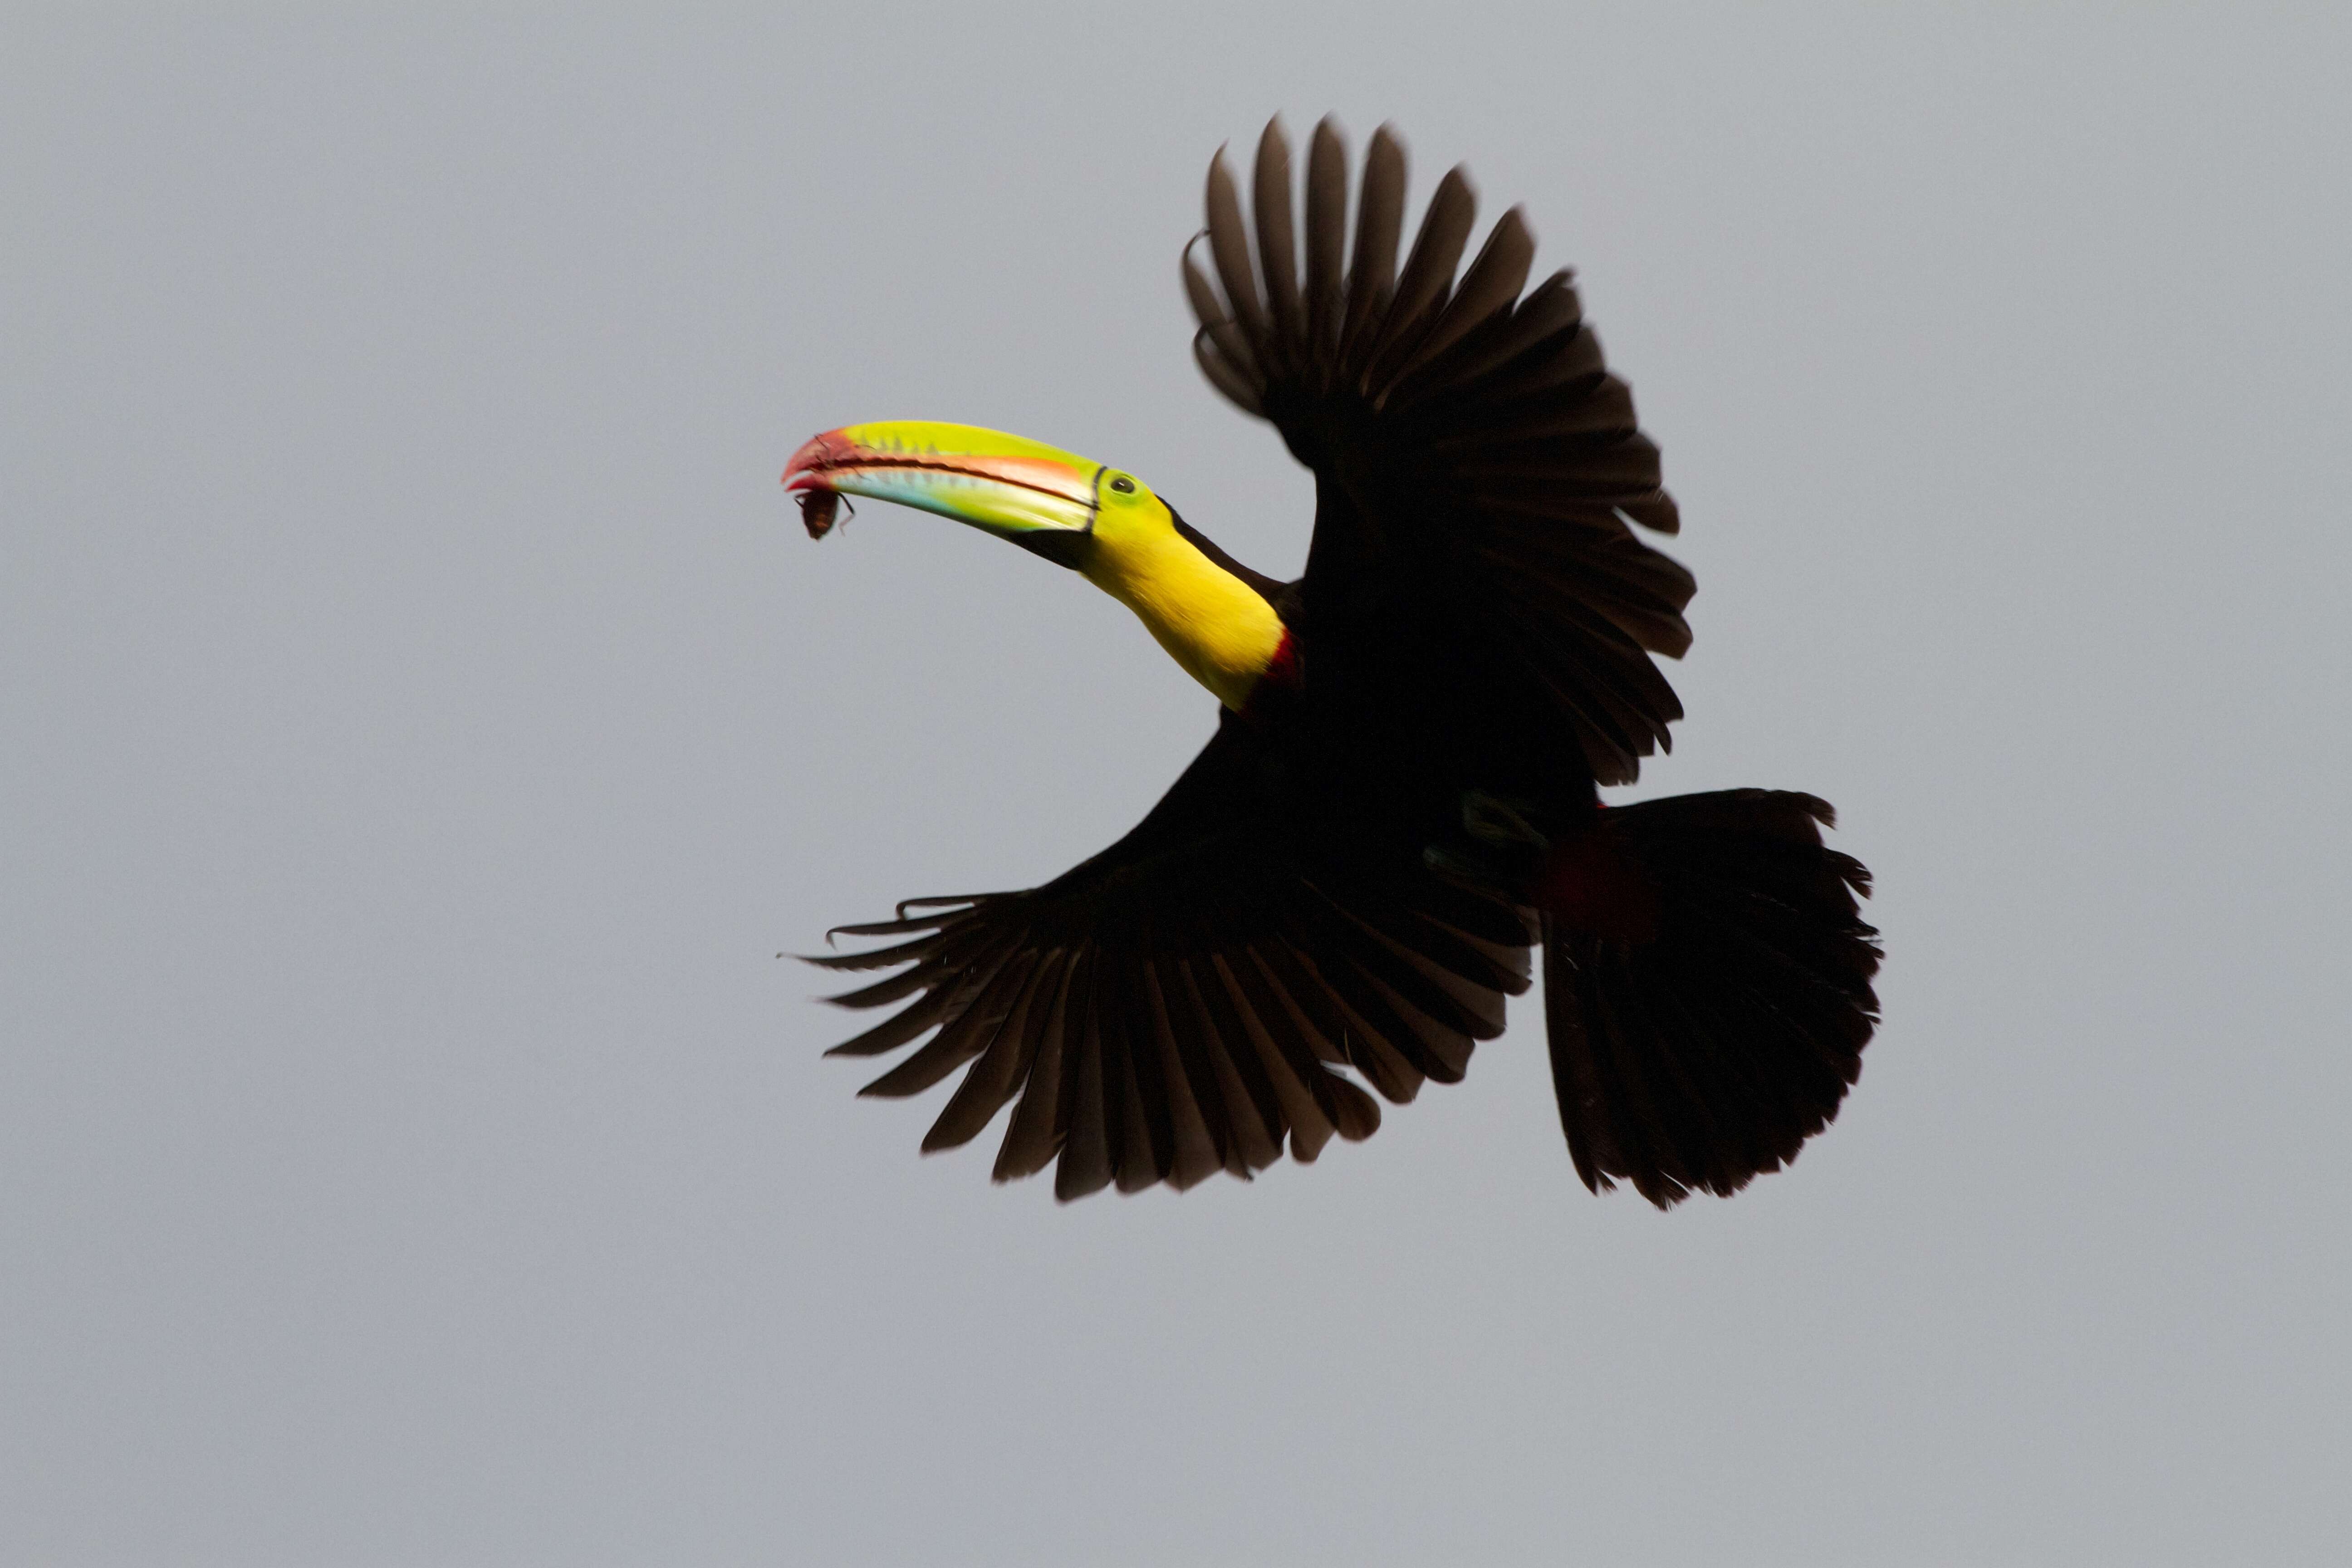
(1180, 1002)
(1477, 465)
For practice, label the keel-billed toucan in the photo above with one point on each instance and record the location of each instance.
(1400, 798)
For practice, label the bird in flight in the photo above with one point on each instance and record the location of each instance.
(1401, 801)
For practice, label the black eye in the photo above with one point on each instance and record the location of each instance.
(1123, 485)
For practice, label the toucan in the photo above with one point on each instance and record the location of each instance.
(1400, 803)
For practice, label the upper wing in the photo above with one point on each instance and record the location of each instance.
(1175, 1005)
(1472, 452)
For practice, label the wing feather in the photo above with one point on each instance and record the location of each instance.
(1040, 1120)
(1436, 252)
(1277, 242)
(1184, 1001)
(963, 1037)
(996, 1078)
(1086, 1164)
(1327, 238)
(1380, 229)
(1229, 246)
(1189, 1088)
(1445, 424)
(1488, 292)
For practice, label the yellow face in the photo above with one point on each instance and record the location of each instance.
(1127, 513)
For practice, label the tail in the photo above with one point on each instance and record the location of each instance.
(1701, 1042)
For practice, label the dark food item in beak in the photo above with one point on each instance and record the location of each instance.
(818, 508)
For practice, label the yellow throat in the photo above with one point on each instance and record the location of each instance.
(1210, 621)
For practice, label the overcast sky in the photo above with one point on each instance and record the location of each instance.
(423, 720)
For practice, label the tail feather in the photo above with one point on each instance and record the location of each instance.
(1704, 1050)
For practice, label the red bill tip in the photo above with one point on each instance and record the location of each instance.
(805, 471)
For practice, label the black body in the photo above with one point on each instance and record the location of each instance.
(1351, 877)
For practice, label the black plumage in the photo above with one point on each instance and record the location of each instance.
(1349, 886)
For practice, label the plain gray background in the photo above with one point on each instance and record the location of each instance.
(424, 719)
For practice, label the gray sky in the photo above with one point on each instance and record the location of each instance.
(426, 719)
